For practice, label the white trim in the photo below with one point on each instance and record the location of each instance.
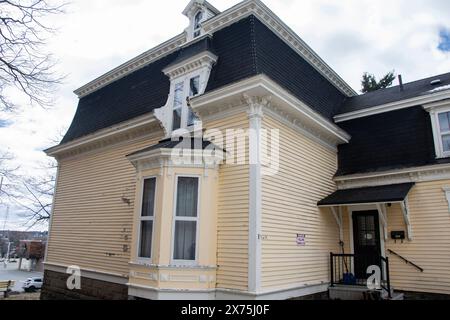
(255, 197)
(55, 188)
(203, 59)
(273, 22)
(435, 109)
(89, 273)
(383, 218)
(405, 210)
(220, 21)
(402, 104)
(281, 101)
(132, 65)
(140, 219)
(338, 217)
(416, 174)
(103, 134)
(224, 294)
(446, 189)
(196, 219)
(274, 294)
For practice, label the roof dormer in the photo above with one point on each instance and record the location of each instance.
(197, 12)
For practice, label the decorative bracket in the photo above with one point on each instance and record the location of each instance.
(405, 210)
(383, 215)
(338, 216)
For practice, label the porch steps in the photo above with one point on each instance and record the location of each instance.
(349, 292)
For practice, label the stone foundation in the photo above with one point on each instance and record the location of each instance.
(55, 288)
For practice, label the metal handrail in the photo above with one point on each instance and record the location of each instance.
(406, 260)
(335, 270)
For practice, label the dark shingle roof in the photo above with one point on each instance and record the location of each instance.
(181, 143)
(380, 194)
(393, 94)
(246, 48)
(391, 140)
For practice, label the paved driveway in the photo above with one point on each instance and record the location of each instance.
(11, 273)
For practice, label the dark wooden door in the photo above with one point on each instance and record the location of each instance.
(366, 239)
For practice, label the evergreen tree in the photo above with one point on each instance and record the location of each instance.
(369, 83)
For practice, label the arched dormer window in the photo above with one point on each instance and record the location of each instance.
(197, 23)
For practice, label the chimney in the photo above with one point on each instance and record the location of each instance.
(400, 82)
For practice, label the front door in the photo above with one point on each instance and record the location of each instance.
(366, 239)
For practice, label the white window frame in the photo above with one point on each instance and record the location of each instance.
(175, 218)
(437, 134)
(140, 259)
(199, 29)
(185, 79)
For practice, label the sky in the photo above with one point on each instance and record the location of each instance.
(411, 37)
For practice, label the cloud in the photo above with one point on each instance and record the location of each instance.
(444, 40)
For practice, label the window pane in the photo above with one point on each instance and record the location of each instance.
(145, 246)
(187, 196)
(185, 239)
(191, 117)
(446, 143)
(198, 19)
(176, 119)
(148, 201)
(444, 121)
(178, 95)
(194, 85)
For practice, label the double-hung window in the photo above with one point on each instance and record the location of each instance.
(197, 24)
(444, 132)
(146, 219)
(178, 98)
(194, 89)
(186, 220)
(182, 115)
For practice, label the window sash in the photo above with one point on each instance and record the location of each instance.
(145, 241)
(186, 256)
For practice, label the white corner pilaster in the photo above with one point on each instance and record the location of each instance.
(255, 115)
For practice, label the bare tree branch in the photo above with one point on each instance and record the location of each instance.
(24, 64)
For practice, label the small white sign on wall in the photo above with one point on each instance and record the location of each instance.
(301, 240)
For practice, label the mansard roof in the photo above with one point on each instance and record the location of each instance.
(244, 49)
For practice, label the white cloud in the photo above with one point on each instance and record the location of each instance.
(353, 36)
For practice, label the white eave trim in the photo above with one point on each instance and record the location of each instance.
(273, 22)
(190, 64)
(267, 87)
(402, 104)
(220, 21)
(132, 65)
(104, 133)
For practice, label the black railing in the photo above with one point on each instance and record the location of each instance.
(405, 260)
(350, 269)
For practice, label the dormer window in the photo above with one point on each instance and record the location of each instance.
(197, 24)
(188, 78)
(440, 121)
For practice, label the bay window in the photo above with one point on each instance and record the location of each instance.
(177, 105)
(186, 220)
(444, 131)
(146, 219)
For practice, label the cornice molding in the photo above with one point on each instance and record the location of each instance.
(204, 59)
(133, 65)
(273, 22)
(222, 20)
(418, 174)
(397, 105)
(128, 130)
(276, 101)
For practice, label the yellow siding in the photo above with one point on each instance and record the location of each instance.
(233, 209)
(91, 225)
(289, 207)
(430, 247)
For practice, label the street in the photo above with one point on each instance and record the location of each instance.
(11, 273)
